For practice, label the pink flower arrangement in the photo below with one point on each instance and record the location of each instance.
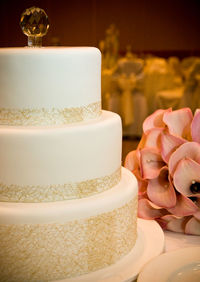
(166, 164)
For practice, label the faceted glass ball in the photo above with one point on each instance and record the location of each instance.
(34, 22)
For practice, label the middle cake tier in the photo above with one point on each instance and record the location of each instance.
(46, 164)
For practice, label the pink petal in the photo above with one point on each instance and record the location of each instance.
(151, 163)
(160, 191)
(195, 127)
(169, 143)
(192, 227)
(187, 150)
(153, 138)
(162, 222)
(197, 215)
(196, 111)
(174, 223)
(142, 195)
(184, 206)
(155, 120)
(142, 183)
(147, 211)
(186, 172)
(142, 142)
(179, 121)
(131, 161)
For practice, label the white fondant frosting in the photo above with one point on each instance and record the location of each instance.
(40, 117)
(46, 78)
(57, 144)
(63, 211)
(45, 242)
(58, 192)
(60, 155)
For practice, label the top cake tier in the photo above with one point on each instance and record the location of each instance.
(49, 86)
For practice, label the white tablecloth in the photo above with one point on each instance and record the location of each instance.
(174, 241)
(169, 98)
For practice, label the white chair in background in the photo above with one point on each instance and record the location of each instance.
(157, 77)
(129, 77)
(111, 99)
(191, 94)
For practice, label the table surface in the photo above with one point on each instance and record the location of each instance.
(174, 241)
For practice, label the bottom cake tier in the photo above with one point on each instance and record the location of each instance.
(57, 240)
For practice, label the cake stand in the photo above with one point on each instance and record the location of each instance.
(149, 244)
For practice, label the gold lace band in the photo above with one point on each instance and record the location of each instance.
(55, 251)
(41, 117)
(52, 193)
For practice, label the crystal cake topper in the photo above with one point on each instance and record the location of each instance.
(35, 24)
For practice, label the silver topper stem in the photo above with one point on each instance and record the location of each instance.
(34, 41)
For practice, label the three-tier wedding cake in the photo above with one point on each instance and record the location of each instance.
(67, 207)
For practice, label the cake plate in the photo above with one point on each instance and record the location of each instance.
(183, 265)
(149, 244)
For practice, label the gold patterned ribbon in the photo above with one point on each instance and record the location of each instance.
(54, 251)
(54, 116)
(58, 192)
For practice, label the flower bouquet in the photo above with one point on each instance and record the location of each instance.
(166, 164)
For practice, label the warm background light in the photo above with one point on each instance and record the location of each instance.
(162, 27)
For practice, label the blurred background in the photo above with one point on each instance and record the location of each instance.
(169, 27)
(150, 49)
